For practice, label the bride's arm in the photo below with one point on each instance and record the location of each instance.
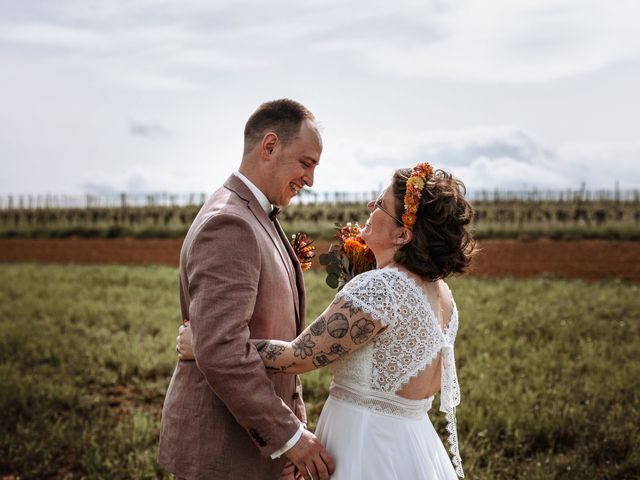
(341, 329)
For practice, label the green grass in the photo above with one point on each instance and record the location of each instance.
(549, 373)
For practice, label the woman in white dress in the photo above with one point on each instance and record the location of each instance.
(388, 337)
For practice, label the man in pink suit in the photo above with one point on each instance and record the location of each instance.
(224, 415)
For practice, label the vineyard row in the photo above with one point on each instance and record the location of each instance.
(487, 215)
(306, 197)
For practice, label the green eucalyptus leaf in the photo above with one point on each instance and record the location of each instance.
(327, 258)
(332, 280)
(333, 268)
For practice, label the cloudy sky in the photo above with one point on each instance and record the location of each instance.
(149, 95)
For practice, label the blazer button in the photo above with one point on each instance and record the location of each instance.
(295, 396)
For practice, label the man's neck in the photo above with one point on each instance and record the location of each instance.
(257, 192)
(251, 176)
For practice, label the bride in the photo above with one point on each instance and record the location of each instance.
(388, 337)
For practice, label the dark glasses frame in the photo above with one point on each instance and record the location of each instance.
(377, 204)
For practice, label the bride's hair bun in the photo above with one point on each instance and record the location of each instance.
(442, 243)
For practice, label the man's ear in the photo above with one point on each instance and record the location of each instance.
(404, 237)
(267, 145)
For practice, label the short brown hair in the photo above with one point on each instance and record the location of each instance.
(283, 117)
(441, 243)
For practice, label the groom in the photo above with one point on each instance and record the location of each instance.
(224, 416)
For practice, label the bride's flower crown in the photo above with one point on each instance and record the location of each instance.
(415, 185)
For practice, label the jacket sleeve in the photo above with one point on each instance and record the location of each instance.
(223, 272)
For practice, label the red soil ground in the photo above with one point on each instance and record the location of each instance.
(589, 259)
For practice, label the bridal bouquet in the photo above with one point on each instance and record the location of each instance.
(348, 258)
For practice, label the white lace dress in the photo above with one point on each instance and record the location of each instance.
(371, 432)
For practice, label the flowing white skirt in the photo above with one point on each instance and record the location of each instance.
(374, 445)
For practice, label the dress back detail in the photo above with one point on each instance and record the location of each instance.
(412, 340)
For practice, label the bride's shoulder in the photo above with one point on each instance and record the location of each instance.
(380, 281)
(386, 275)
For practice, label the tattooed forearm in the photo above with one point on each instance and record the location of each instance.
(274, 351)
(339, 350)
(276, 354)
(303, 346)
(342, 329)
(281, 369)
(322, 359)
(269, 349)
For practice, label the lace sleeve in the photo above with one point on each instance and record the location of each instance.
(373, 293)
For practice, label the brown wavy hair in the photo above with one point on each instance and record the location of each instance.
(441, 243)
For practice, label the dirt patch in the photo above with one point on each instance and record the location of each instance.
(588, 259)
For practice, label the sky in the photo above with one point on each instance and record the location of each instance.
(139, 96)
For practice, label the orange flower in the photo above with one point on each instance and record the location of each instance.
(352, 245)
(415, 184)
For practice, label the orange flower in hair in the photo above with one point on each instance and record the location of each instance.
(415, 185)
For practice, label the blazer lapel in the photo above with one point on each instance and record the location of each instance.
(300, 299)
(276, 234)
(302, 293)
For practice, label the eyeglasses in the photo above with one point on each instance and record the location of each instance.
(377, 204)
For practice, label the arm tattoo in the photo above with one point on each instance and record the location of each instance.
(303, 346)
(361, 330)
(339, 350)
(261, 345)
(318, 327)
(322, 359)
(338, 325)
(273, 351)
(353, 309)
(278, 369)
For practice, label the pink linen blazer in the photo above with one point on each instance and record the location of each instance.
(223, 414)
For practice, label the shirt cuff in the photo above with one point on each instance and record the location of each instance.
(292, 441)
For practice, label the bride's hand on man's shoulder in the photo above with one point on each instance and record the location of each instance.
(184, 342)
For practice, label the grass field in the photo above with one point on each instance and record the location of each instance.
(549, 370)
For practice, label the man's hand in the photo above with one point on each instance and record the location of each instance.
(184, 342)
(311, 458)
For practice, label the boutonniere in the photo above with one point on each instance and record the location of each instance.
(350, 257)
(304, 248)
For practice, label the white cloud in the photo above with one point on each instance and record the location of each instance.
(140, 180)
(383, 75)
(464, 41)
(52, 35)
(495, 158)
(147, 129)
(157, 81)
(503, 41)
